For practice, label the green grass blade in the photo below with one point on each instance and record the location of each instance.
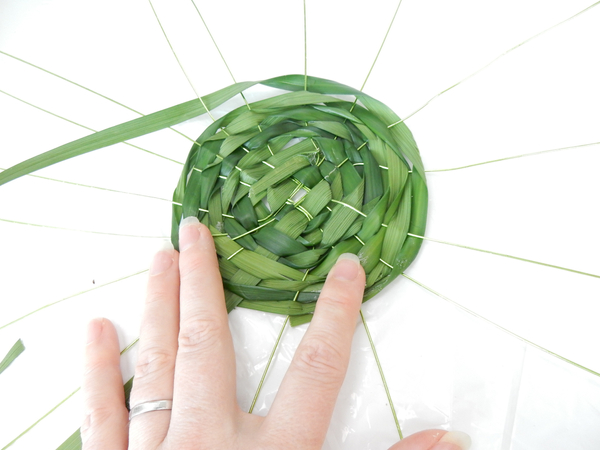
(73, 442)
(343, 216)
(125, 131)
(286, 307)
(278, 242)
(279, 174)
(12, 354)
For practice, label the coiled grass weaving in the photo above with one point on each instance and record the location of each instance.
(289, 183)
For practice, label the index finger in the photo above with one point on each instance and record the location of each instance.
(311, 386)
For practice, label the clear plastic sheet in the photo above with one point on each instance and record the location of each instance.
(445, 367)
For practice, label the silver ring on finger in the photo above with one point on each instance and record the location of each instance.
(155, 405)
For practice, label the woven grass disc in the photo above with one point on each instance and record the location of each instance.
(289, 183)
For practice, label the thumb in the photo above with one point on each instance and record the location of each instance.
(434, 440)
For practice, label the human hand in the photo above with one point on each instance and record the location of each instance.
(186, 354)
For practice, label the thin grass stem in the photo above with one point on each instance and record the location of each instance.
(41, 418)
(524, 155)
(382, 44)
(275, 346)
(385, 385)
(305, 50)
(81, 231)
(91, 91)
(72, 82)
(46, 111)
(97, 187)
(264, 374)
(518, 258)
(214, 42)
(179, 62)
(219, 50)
(125, 350)
(473, 313)
(529, 39)
(130, 346)
(73, 296)
(87, 128)
(239, 236)
(376, 58)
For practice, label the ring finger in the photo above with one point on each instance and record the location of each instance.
(158, 348)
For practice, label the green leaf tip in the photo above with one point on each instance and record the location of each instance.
(12, 354)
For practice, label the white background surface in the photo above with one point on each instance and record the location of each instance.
(445, 368)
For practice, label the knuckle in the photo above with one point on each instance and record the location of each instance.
(191, 266)
(276, 440)
(198, 334)
(340, 311)
(320, 358)
(93, 421)
(86, 427)
(158, 293)
(339, 300)
(100, 367)
(154, 362)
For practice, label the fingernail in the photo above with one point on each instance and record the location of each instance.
(188, 232)
(346, 267)
(94, 330)
(453, 440)
(163, 259)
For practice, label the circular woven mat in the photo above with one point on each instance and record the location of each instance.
(289, 183)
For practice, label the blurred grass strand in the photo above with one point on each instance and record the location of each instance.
(508, 158)
(73, 442)
(86, 127)
(382, 44)
(178, 61)
(380, 368)
(268, 365)
(505, 330)
(40, 419)
(518, 258)
(89, 90)
(73, 296)
(95, 187)
(529, 39)
(81, 231)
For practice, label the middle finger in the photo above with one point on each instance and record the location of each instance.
(309, 390)
(204, 403)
